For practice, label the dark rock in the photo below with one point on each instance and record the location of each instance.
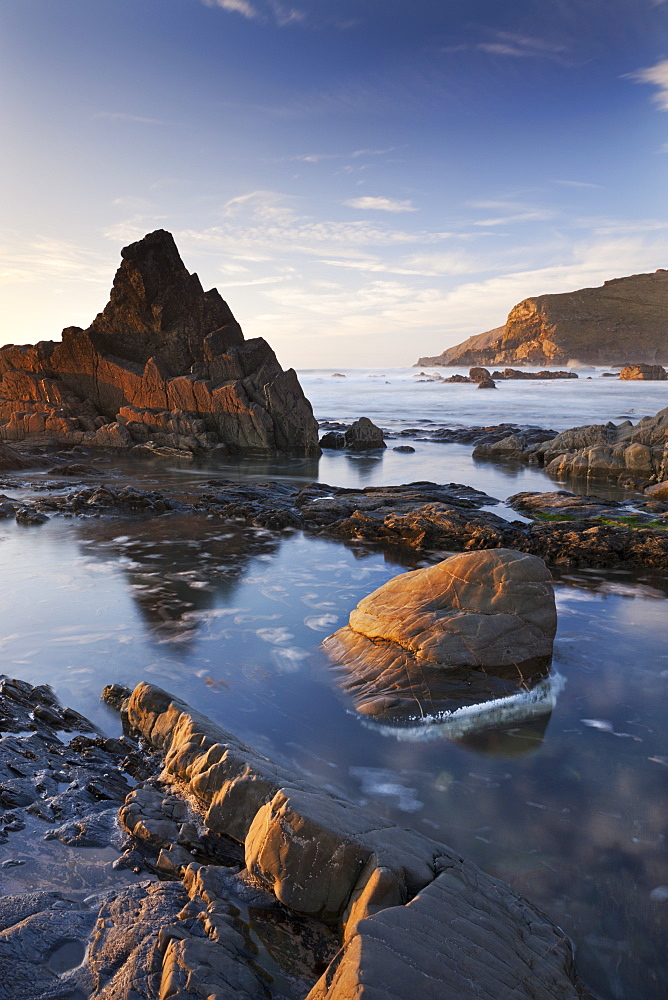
(363, 435)
(514, 373)
(333, 439)
(479, 374)
(74, 469)
(486, 383)
(27, 515)
(11, 460)
(164, 362)
(404, 448)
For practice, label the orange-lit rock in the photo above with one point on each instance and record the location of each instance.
(164, 361)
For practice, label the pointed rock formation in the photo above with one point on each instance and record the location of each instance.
(621, 322)
(164, 362)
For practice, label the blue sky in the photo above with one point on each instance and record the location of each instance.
(365, 181)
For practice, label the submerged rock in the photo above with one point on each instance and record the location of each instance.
(164, 362)
(442, 636)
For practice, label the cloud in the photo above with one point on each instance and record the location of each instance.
(355, 155)
(657, 76)
(122, 116)
(513, 212)
(503, 220)
(577, 184)
(380, 204)
(507, 43)
(237, 7)
(273, 11)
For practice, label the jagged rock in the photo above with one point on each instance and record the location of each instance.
(164, 361)
(646, 373)
(468, 629)
(414, 914)
(621, 451)
(603, 325)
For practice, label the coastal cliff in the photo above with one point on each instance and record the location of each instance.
(165, 364)
(623, 321)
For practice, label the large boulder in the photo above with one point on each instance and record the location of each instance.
(363, 435)
(472, 627)
(604, 325)
(164, 361)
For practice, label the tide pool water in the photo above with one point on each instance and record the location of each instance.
(561, 791)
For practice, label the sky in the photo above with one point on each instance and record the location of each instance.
(365, 181)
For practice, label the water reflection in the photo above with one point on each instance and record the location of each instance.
(178, 569)
(508, 726)
(575, 820)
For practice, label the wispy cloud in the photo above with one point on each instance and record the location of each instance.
(577, 184)
(377, 204)
(657, 76)
(272, 11)
(512, 212)
(236, 7)
(503, 220)
(507, 43)
(355, 155)
(123, 117)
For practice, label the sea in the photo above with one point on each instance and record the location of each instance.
(560, 791)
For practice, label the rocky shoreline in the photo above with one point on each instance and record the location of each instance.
(248, 881)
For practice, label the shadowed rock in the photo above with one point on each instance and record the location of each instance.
(472, 627)
(164, 363)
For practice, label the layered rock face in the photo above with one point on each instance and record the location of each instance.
(164, 362)
(470, 628)
(415, 918)
(621, 322)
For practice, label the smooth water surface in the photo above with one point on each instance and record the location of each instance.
(568, 806)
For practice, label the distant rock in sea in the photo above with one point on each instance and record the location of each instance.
(622, 322)
(164, 363)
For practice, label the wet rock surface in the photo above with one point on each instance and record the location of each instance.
(471, 628)
(421, 517)
(164, 365)
(632, 454)
(326, 858)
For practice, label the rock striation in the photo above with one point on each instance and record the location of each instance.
(415, 918)
(473, 627)
(164, 363)
(621, 322)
